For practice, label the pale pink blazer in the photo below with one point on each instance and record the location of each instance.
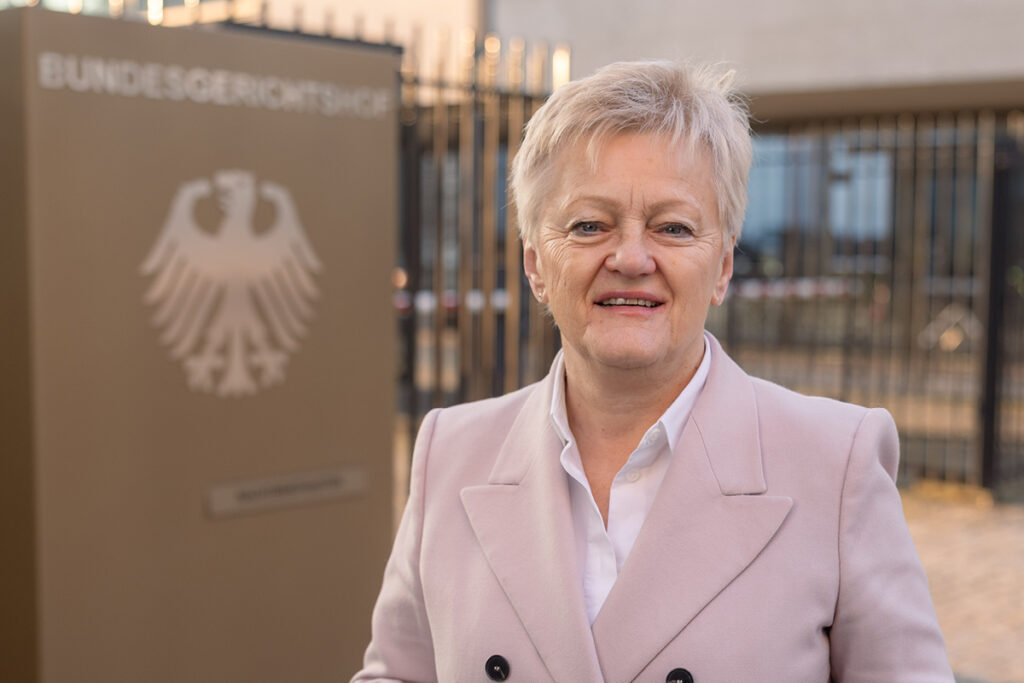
(776, 551)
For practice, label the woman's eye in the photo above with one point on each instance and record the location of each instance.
(586, 228)
(676, 229)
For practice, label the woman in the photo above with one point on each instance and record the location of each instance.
(648, 512)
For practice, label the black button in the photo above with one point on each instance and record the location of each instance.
(679, 676)
(497, 668)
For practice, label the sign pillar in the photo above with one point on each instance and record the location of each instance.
(198, 362)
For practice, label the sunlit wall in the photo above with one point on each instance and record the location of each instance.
(787, 45)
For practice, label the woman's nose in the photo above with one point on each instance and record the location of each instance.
(631, 255)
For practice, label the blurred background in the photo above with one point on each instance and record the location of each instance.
(881, 262)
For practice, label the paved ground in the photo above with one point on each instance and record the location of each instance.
(973, 552)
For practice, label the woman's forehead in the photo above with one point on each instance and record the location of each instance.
(594, 148)
(594, 157)
(626, 159)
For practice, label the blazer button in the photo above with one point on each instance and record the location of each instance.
(497, 668)
(679, 676)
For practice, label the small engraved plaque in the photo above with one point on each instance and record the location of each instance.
(256, 495)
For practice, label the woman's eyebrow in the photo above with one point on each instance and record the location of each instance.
(600, 201)
(607, 204)
(675, 203)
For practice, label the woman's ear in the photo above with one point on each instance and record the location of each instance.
(531, 266)
(725, 275)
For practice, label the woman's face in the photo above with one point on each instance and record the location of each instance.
(630, 254)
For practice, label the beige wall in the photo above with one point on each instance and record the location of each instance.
(788, 45)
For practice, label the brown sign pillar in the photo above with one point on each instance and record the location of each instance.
(196, 362)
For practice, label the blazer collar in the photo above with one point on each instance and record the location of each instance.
(708, 522)
(726, 416)
(523, 523)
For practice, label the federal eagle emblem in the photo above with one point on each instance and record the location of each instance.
(230, 303)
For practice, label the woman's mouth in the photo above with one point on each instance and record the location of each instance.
(622, 301)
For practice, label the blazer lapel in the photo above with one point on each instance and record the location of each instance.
(523, 522)
(709, 521)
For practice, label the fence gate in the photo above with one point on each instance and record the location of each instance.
(470, 327)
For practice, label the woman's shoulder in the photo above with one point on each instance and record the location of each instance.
(775, 401)
(480, 426)
(458, 445)
(494, 411)
(799, 427)
(809, 442)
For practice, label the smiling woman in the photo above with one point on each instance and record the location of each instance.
(628, 255)
(648, 511)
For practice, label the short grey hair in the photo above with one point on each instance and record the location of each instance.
(690, 104)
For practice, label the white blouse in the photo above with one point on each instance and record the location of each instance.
(601, 552)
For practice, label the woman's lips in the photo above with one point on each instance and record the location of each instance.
(628, 301)
(635, 298)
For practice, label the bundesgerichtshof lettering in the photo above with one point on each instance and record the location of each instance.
(201, 85)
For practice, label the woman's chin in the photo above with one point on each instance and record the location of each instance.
(627, 355)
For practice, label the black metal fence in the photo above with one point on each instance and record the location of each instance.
(873, 268)
(882, 262)
(468, 330)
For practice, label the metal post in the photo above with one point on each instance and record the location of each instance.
(1001, 189)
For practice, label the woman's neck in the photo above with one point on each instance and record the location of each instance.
(616, 406)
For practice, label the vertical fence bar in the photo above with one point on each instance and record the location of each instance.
(870, 261)
(966, 358)
(439, 154)
(920, 413)
(845, 254)
(466, 319)
(942, 284)
(489, 214)
(816, 247)
(903, 273)
(885, 297)
(991, 468)
(775, 329)
(989, 255)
